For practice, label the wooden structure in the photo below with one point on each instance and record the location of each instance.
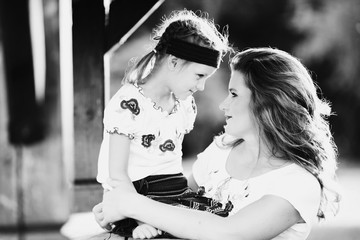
(51, 127)
(94, 34)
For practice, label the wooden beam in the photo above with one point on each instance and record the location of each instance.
(8, 180)
(124, 16)
(88, 50)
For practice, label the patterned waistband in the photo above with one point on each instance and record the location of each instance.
(170, 185)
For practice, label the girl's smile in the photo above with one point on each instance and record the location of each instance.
(189, 78)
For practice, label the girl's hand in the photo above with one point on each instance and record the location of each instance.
(145, 231)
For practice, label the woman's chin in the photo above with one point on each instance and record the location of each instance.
(229, 131)
(226, 129)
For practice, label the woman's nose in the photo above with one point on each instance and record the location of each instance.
(223, 105)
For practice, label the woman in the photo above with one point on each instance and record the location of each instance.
(275, 164)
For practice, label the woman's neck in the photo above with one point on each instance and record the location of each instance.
(262, 153)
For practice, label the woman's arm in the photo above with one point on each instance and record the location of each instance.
(263, 219)
(192, 183)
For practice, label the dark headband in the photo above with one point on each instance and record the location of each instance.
(194, 53)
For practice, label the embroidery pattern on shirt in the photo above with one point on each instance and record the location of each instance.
(116, 130)
(168, 145)
(146, 140)
(193, 105)
(132, 105)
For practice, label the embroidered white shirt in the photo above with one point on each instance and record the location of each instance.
(156, 135)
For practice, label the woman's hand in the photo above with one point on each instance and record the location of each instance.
(117, 203)
(99, 216)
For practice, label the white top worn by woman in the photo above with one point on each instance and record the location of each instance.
(291, 182)
(156, 135)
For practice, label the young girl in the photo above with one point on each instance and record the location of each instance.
(275, 162)
(146, 120)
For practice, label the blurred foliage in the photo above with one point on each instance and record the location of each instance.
(324, 34)
(331, 50)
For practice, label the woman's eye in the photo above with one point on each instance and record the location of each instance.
(233, 94)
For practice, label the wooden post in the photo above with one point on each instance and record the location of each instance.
(8, 179)
(93, 36)
(88, 50)
(36, 177)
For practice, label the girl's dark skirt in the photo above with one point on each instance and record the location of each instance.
(171, 189)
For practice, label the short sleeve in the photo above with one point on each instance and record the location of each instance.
(303, 191)
(189, 111)
(201, 167)
(122, 113)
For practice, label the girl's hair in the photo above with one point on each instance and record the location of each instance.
(184, 25)
(291, 116)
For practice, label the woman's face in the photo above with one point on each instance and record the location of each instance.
(189, 78)
(239, 117)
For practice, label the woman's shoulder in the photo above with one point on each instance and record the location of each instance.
(298, 171)
(295, 177)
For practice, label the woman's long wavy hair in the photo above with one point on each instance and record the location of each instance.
(186, 25)
(291, 116)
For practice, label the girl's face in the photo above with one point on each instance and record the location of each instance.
(239, 117)
(189, 78)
